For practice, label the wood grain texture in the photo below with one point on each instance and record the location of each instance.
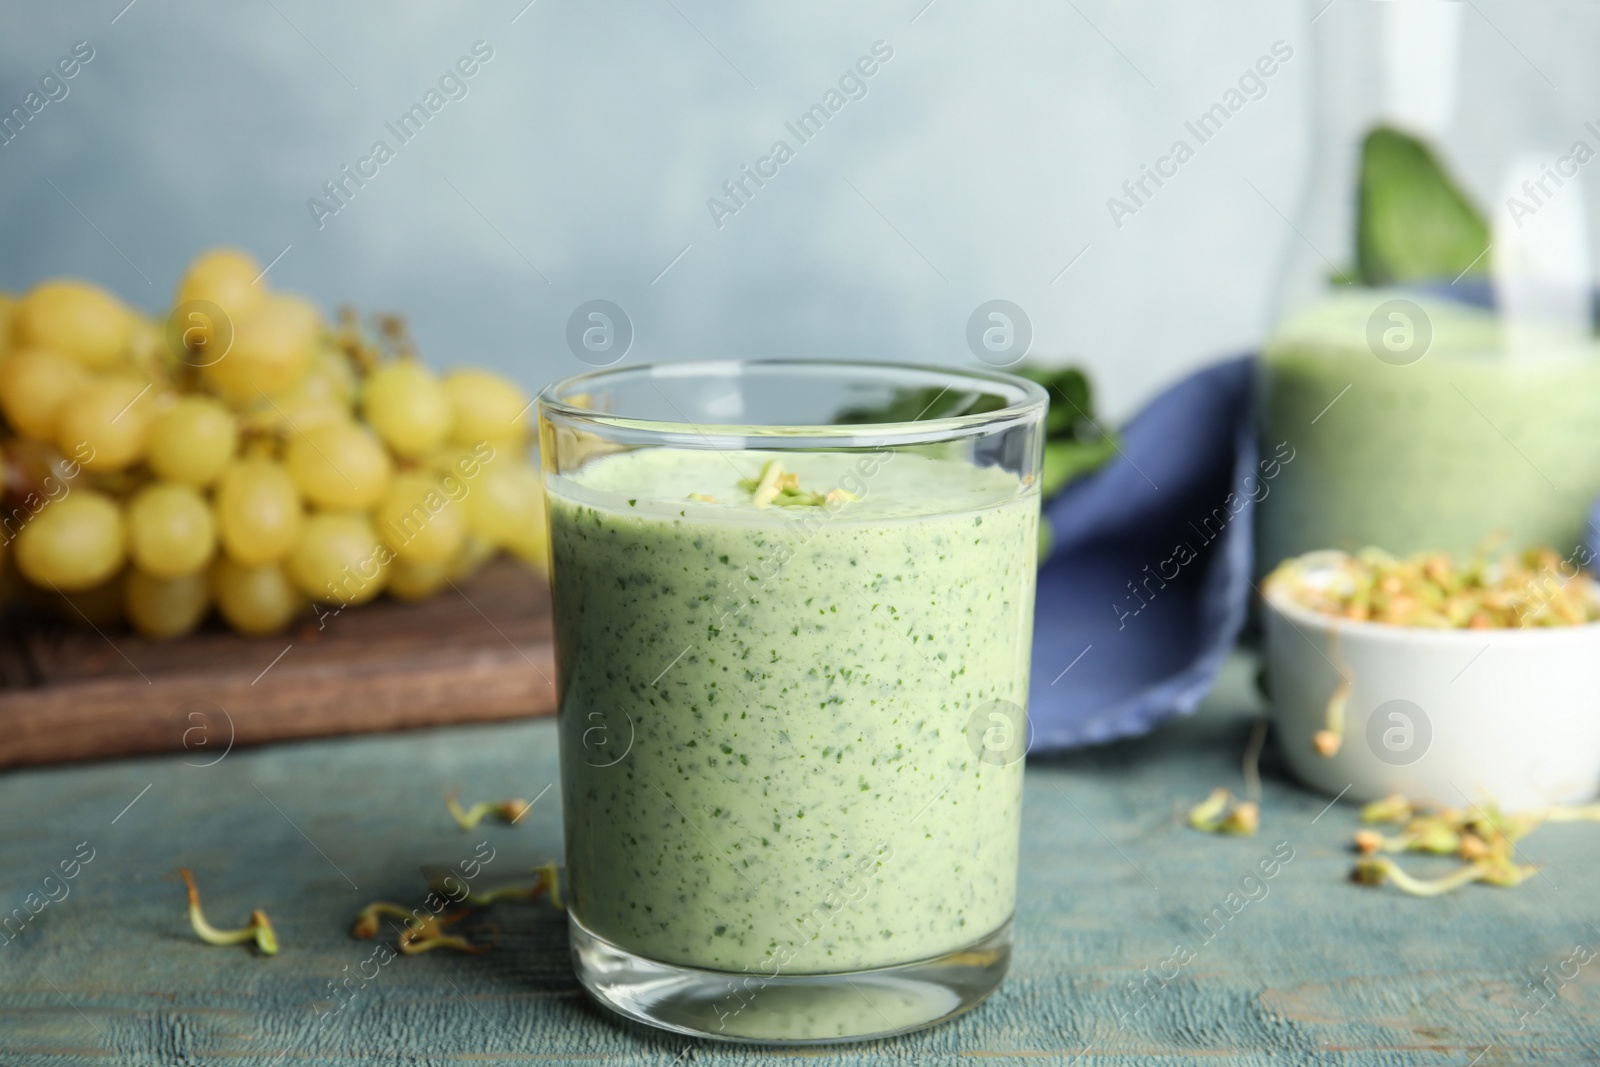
(476, 653)
(1317, 971)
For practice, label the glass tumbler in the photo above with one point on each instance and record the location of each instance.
(793, 612)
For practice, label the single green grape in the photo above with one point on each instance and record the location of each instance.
(254, 600)
(419, 521)
(35, 384)
(406, 404)
(193, 440)
(170, 530)
(272, 346)
(505, 503)
(164, 608)
(487, 408)
(73, 543)
(107, 422)
(258, 511)
(75, 318)
(339, 559)
(225, 277)
(338, 465)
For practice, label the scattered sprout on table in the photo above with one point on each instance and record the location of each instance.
(1427, 833)
(424, 931)
(1223, 813)
(1482, 836)
(1244, 818)
(508, 811)
(426, 934)
(367, 918)
(258, 930)
(1376, 870)
(1392, 808)
(548, 882)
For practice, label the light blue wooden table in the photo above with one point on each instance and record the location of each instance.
(1314, 971)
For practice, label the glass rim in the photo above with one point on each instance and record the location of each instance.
(1024, 399)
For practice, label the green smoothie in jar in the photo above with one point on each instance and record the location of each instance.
(1413, 428)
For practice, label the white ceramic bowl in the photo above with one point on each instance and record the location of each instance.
(1450, 716)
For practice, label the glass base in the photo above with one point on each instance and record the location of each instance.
(802, 1009)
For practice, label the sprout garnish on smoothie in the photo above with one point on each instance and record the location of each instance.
(781, 487)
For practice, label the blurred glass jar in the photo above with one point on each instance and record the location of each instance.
(1434, 367)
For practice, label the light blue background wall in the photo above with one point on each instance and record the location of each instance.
(977, 166)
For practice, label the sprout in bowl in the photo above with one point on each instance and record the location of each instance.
(1452, 682)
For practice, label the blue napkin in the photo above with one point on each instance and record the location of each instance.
(1148, 582)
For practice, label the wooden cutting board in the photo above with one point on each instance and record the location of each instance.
(478, 653)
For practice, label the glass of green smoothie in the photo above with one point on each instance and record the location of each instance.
(793, 648)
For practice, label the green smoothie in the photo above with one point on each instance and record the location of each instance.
(1465, 443)
(766, 711)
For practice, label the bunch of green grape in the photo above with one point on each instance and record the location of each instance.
(244, 455)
